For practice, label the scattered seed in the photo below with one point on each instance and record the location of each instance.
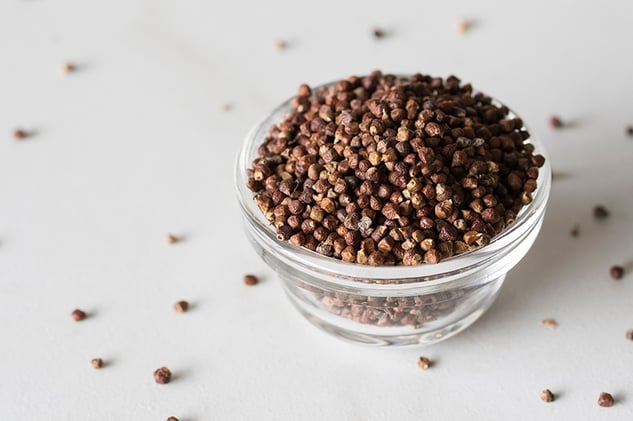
(424, 363)
(251, 280)
(629, 131)
(547, 395)
(551, 323)
(227, 107)
(575, 231)
(378, 33)
(96, 363)
(629, 334)
(68, 67)
(605, 400)
(78, 315)
(181, 306)
(162, 375)
(600, 212)
(617, 272)
(19, 134)
(463, 26)
(555, 122)
(281, 44)
(172, 419)
(171, 239)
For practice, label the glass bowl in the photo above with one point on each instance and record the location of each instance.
(389, 305)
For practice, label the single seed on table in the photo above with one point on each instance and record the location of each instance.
(281, 44)
(78, 315)
(555, 122)
(547, 395)
(96, 363)
(227, 107)
(424, 363)
(19, 134)
(617, 272)
(605, 400)
(378, 33)
(629, 131)
(551, 323)
(463, 25)
(629, 334)
(250, 280)
(575, 231)
(68, 67)
(181, 306)
(172, 419)
(600, 212)
(162, 375)
(171, 239)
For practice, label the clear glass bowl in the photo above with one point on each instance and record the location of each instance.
(389, 305)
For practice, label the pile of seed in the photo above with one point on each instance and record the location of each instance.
(386, 170)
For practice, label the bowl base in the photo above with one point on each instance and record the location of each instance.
(413, 338)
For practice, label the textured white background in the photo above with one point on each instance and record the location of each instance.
(135, 144)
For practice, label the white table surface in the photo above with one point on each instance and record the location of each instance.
(136, 144)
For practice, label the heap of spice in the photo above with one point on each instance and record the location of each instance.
(387, 170)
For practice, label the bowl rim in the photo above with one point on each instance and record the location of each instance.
(349, 273)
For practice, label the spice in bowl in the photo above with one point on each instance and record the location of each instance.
(391, 207)
(383, 170)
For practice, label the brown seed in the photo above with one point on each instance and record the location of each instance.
(378, 33)
(551, 323)
(600, 212)
(181, 306)
(348, 254)
(463, 25)
(172, 419)
(471, 237)
(96, 363)
(227, 107)
(68, 67)
(424, 363)
(304, 90)
(432, 256)
(78, 315)
(281, 44)
(171, 239)
(629, 334)
(555, 122)
(162, 375)
(574, 231)
(605, 400)
(547, 395)
(250, 280)
(617, 272)
(629, 131)
(433, 129)
(411, 258)
(19, 134)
